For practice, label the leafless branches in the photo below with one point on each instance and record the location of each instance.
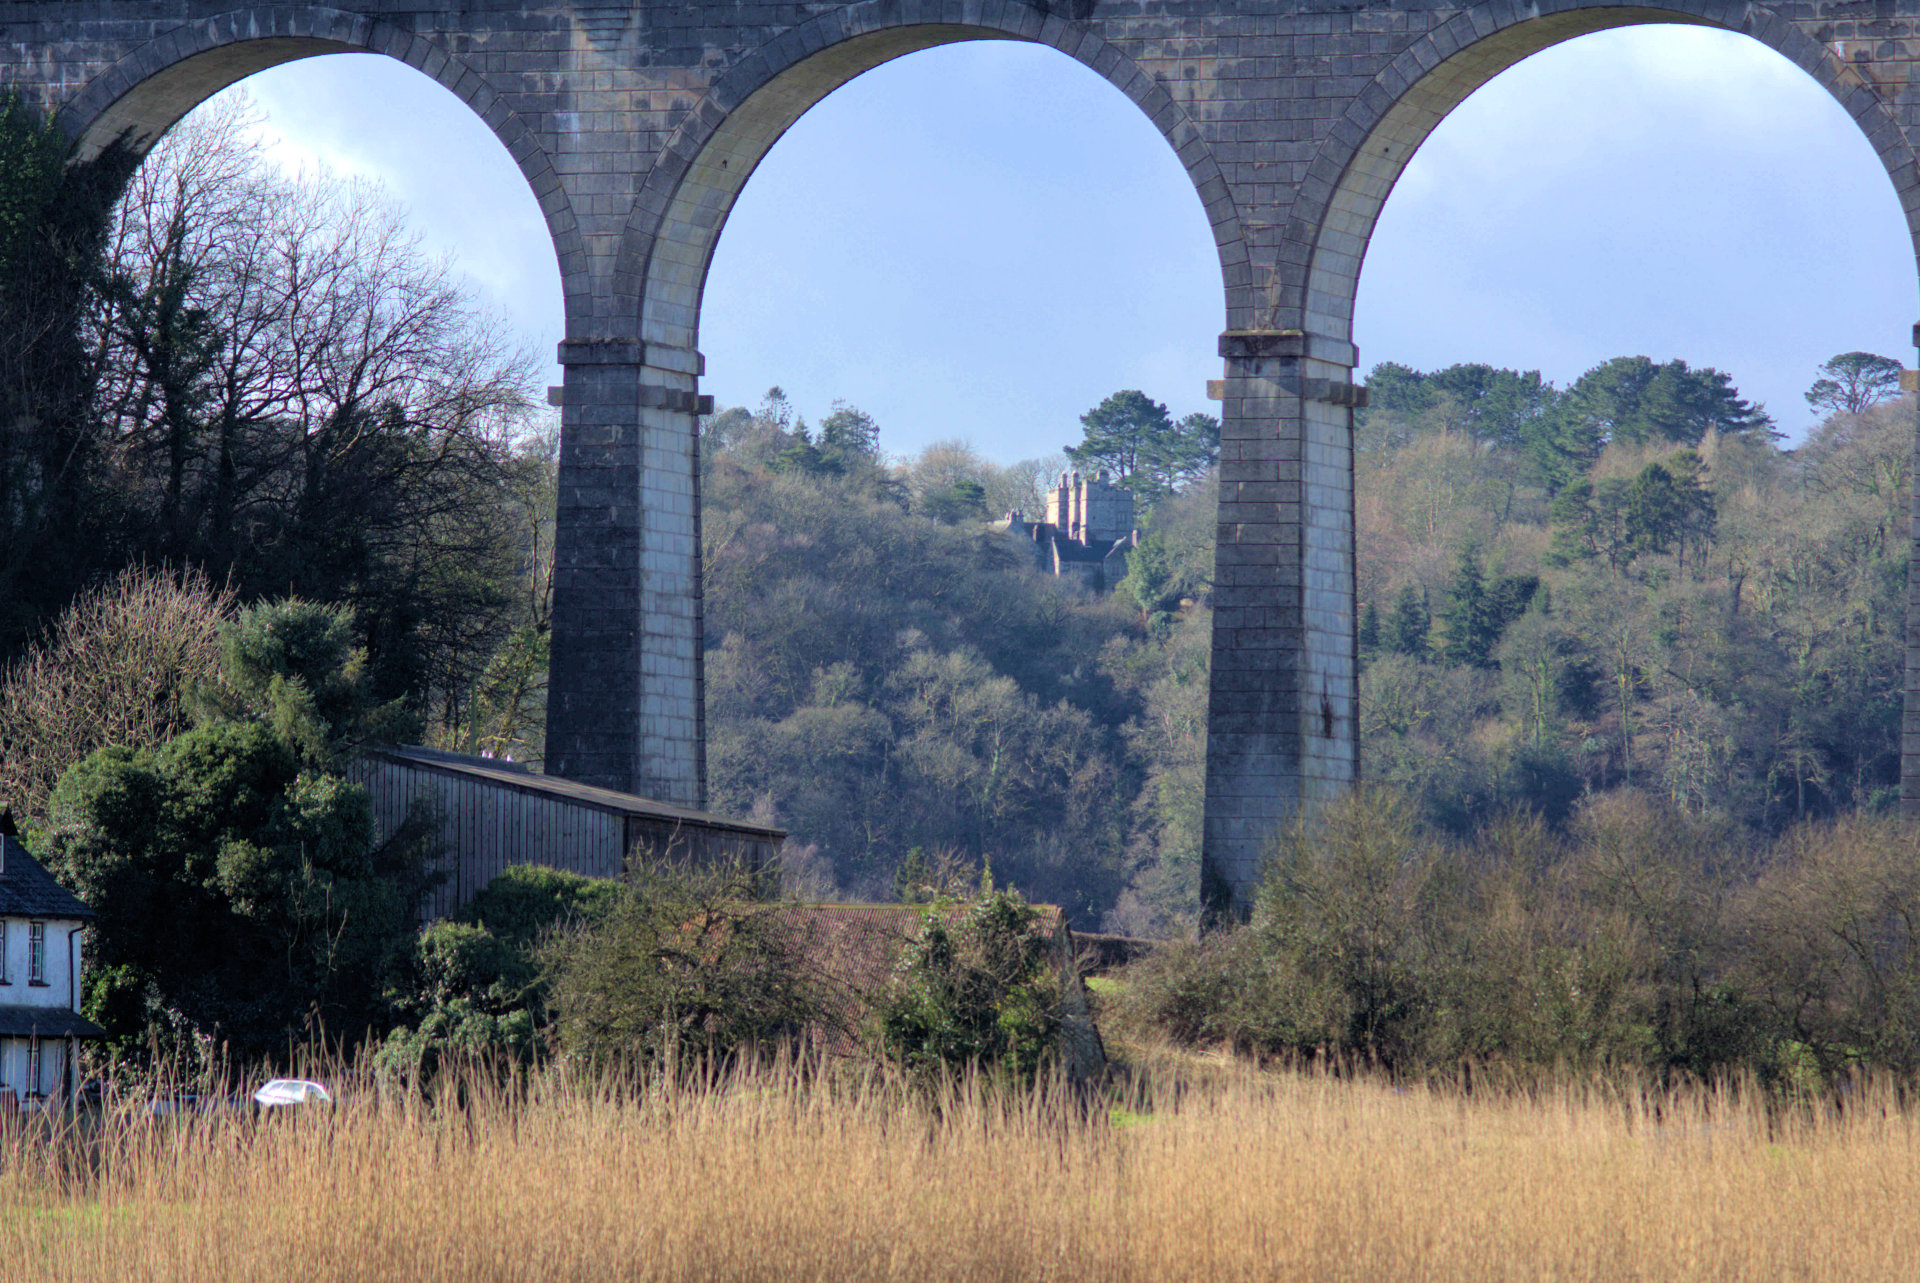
(117, 668)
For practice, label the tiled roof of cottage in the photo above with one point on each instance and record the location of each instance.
(29, 891)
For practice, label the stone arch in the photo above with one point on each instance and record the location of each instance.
(146, 93)
(685, 199)
(1349, 180)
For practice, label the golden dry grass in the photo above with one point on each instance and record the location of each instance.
(1248, 1176)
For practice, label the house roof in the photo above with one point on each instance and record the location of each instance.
(29, 891)
(18, 1021)
(514, 776)
(1072, 550)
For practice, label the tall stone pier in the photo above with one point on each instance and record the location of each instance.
(637, 123)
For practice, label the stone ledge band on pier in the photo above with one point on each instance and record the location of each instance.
(634, 352)
(601, 352)
(1247, 345)
(618, 351)
(1331, 391)
(1295, 345)
(653, 397)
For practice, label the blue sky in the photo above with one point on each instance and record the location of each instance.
(983, 240)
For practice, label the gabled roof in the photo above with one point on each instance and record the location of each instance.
(29, 891)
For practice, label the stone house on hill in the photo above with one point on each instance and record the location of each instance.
(41, 926)
(1087, 533)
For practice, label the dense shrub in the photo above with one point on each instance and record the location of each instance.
(1829, 938)
(526, 901)
(241, 895)
(459, 1035)
(1635, 940)
(684, 965)
(975, 989)
(474, 989)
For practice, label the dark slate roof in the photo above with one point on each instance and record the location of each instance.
(1072, 550)
(45, 1022)
(29, 891)
(511, 775)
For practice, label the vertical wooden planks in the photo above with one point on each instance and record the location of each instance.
(487, 826)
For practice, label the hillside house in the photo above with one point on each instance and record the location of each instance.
(41, 928)
(494, 813)
(1087, 533)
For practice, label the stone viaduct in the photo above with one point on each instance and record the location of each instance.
(637, 123)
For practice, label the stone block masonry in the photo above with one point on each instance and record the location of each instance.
(637, 124)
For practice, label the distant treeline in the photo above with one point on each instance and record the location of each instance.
(1634, 941)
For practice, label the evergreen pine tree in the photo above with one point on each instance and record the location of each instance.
(1854, 381)
(1575, 527)
(1124, 433)
(1408, 626)
(801, 455)
(1473, 628)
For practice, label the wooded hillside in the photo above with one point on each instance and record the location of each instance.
(1625, 585)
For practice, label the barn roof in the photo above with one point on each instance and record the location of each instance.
(29, 891)
(510, 775)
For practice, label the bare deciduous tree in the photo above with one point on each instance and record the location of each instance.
(301, 400)
(117, 668)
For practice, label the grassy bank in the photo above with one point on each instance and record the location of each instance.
(1245, 1176)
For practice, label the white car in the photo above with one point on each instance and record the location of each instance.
(291, 1091)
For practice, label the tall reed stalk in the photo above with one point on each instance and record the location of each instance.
(778, 1172)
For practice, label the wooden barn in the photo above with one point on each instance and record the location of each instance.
(494, 814)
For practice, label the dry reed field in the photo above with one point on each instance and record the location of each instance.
(1247, 1176)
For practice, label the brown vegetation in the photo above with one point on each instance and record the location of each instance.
(1247, 1176)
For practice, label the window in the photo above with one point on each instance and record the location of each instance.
(36, 953)
(5, 978)
(33, 1065)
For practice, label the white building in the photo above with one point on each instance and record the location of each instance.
(41, 927)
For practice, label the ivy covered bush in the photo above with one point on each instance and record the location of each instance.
(977, 989)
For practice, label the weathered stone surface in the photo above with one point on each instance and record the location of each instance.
(637, 124)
